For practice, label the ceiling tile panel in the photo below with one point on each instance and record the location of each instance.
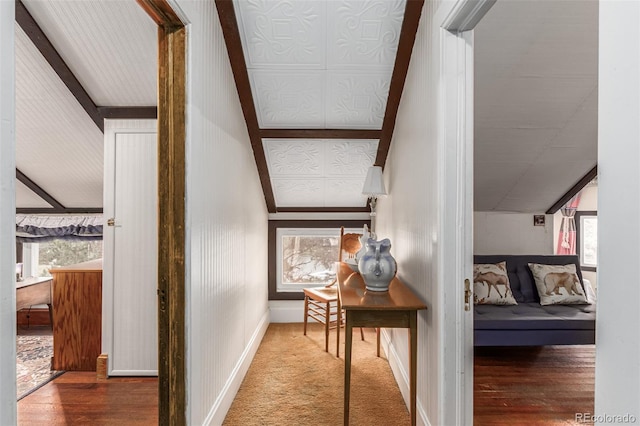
(283, 33)
(296, 192)
(344, 193)
(295, 157)
(349, 157)
(319, 172)
(289, 99)
(363, 34)
(357, 99)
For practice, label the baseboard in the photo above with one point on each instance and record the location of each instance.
(33, 316)
(402, 377)
(286, 310)
(225, 399)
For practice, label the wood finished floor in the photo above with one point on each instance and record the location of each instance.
(78, 398)
(542, 385)
(512, 386)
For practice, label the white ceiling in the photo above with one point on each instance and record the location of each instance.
(320, 65)
(111, 48)
(536, 65)
(323, 64)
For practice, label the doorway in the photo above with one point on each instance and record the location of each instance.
(527, 110)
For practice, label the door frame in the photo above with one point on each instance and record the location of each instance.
(8, 403)
(172, 53)
(457, 72)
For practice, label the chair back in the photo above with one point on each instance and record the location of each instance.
(349, 245)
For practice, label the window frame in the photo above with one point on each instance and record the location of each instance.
(274, 225)
(578, 220)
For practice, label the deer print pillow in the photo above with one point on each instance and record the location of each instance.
(491, 284)
(558, 284)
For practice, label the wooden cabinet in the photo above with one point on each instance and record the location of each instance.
(77, 316)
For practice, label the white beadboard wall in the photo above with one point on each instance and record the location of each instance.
(226, 231)
(7, 217)
(409, 214)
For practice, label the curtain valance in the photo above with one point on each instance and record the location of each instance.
(43, 228)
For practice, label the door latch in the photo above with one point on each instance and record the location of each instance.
(467, 294)
(111, 221)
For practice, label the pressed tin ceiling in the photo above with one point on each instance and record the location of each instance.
(318, 172)
(319, 65)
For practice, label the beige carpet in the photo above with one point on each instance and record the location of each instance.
(293, 381)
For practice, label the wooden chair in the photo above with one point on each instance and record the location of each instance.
(321, 303)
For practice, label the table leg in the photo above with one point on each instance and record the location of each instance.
(348, 337)
(306, 313)
(339, 325)
(413, 363)
(50, 314)
(327, 323)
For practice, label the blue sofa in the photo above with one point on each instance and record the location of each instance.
(528, 323)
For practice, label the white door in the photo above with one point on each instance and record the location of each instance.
(130, 326)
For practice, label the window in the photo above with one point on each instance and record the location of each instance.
(307, 257)
(303, 254)
(47, 255)
(587, 239)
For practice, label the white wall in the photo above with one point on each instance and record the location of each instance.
(7, 217)
(410, 215)
(226, 227)
(618, 316)
(511, 233)
(589, 198)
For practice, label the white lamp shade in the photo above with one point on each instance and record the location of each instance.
(374, 184)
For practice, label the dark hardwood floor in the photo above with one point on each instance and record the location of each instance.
(533, 385)
(512, 386)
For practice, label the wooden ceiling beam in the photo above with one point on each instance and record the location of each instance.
(38, 190)
(231, 34)
(319, 134)
(584, 181)
(67, 210)
(412, 13)
(56, 207)
(134, 113)
(42, 43)
(323, 210)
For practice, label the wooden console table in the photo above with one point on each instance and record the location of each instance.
(396, 308)
(77, 319)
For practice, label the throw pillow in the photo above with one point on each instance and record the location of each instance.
(558, 284)
(488, 281)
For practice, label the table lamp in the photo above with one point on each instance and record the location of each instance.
(373, 188)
